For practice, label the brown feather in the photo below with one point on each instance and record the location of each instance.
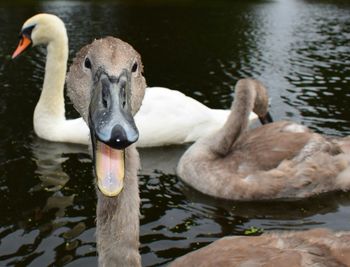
(318, 247)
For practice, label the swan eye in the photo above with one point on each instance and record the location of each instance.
(87, 63)
(134, 67)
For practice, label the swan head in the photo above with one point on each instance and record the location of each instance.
(261, 105)
(106, 86)
(40, 29)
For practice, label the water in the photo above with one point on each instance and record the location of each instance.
(299, 49)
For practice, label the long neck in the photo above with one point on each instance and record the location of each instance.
(117, 230)
(237, 121)
(51, 102)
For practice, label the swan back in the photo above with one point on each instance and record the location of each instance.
(175, 118)
(317, 247)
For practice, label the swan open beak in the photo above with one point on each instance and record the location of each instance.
(24, 43)
(109, 169)
(266, 119)
(112, 129)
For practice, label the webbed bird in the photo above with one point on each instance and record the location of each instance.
(277, 160)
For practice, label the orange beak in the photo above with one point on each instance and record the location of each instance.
(24, 43)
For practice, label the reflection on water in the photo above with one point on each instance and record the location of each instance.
(299, 49)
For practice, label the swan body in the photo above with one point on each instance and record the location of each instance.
(317, 247)
(166, 116)
(118, 216)
(278, 160)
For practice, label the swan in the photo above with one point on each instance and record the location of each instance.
(107, 89)
(106, 86)
(166, 116)
(277, 160)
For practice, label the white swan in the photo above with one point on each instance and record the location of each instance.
(166, 116)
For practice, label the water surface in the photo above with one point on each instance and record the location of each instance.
(299, 49)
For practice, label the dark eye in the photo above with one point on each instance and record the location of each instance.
(134, 67)
(87, 63)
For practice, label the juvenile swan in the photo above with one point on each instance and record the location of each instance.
(166, 116)
(278, 160)
(106, 87)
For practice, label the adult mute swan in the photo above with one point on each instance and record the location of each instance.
(278, 160)
(166, 116)
(107, 91)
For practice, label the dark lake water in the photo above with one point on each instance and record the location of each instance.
(299, 49)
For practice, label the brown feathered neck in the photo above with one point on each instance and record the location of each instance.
(117, 220)
(237, 122)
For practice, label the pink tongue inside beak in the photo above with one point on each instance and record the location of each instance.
(109, 169)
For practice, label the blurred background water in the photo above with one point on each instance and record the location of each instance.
(298, 48)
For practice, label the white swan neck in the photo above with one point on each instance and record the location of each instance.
(51, 102)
